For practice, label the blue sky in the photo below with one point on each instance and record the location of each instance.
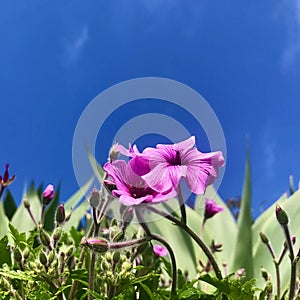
(242, 57)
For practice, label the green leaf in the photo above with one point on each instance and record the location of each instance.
(21, 219)
(243, 257)
(147, 290)
(5, 255)
(4, 221)
(267, 223)
(98, 171)
(221, 228)
(9, 204)
(74, 200)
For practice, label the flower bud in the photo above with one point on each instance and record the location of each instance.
(51, 256)
(57, 234)
(264, 238)
(48, 194)
(94, 198)
(113, 153)
(43, 258)
(18, 255)
(281, 216)
(68, 215)
(264, 274)
(60, 216)
(45, 238)
(116, 257)
(159, 250)
(70, 251)
(26, 253)
(98, 245)
(211, 208)
(26, 203)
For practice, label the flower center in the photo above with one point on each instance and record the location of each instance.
(139, 192)
(175, 160)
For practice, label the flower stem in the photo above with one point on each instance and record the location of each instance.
(293, 261)
(181, 203)
(83, 251)
(160, 239)
(194, 236)
(270, 248)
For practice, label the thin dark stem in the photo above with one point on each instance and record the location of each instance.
(83, 251)
(293, 263)
(92, 274)
(182, 205)
(1, 190)
(32, 217)
(173, 260)
(160, 239)
(270, 248)
(194, 236)
(43, 214)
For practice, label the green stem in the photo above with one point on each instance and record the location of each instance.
(270, 248)
(92, 274)
(160, 239)
(194, 236)
(182, 205)
(293, 263)
(83, 251)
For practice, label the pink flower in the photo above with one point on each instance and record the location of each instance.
(130, 187)
(169, 163)
(48, 194)
(6, 180)
(159, 250)
(211, 208)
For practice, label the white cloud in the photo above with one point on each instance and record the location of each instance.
(292, 18)
(268, 144)
(73, 47)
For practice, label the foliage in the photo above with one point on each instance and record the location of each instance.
(41, 258)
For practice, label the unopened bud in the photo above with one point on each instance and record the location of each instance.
(51, 256)
(113, 153)
(94, 198)
(60, 216)
(68, 215)
(70, 251)
(116, 257)
(281, 216)
(98, 245)
(26, 203)
(264, 238)
(26, 253)
(18, 255)
(45, 238)
(57, 234)
(43, 258)
(264, 274)
(48, 194)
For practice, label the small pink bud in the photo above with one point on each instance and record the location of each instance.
(159, 250)
(211, 208)
(48, 194)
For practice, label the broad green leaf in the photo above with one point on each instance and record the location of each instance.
(97, 169)
(222, 227)
(21, 219)
(268, 224)
(10, 206)
(243, 257)
(74, 200)
(4, 221)
(76, 216)
(5, 255)
(184, 247)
